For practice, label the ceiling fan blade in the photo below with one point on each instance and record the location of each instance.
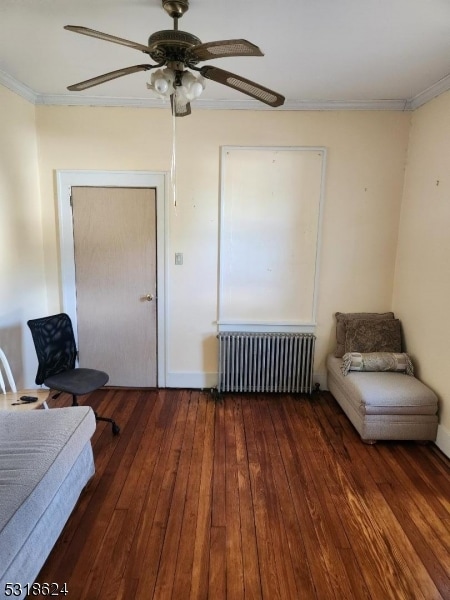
(180, 106)
(107, 37)
(223, 48)
(243, 85)
(83, 85)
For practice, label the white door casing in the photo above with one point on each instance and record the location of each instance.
(68, 179)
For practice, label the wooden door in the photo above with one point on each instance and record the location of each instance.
(115, 274)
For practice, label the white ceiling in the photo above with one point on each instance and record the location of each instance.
(318, 53)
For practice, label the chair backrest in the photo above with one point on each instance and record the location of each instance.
(9, 376)
(55, 345)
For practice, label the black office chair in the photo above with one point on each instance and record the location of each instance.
(57, 352)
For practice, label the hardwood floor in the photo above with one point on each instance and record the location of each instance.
(253, 496)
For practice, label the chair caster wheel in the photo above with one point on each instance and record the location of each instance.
(115, 429)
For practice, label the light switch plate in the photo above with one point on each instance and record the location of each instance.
(178, 258)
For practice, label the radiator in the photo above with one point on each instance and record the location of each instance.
(266, 362)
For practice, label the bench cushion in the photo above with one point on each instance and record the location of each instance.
(384, 406)
(387, 393)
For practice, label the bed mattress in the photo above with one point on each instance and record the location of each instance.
(45, 462)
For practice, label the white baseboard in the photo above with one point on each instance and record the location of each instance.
(191, 380)
(443, 440)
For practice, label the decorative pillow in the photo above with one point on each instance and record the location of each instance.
(377, 361)
(341, 326)
(374, 335)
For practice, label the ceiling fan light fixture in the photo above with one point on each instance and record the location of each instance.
(165, 82)
(174, 53)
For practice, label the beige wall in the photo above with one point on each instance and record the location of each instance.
(422, 275)
(364, 184)
(22, 282)
(364, 239)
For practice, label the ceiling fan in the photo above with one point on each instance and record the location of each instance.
(176, 54)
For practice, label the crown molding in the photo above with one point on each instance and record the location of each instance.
(344, 105)
(411, 104)
(289, 105)
(438, 88)
(18, 87)
(85, 100)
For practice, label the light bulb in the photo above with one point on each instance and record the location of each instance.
(191, 85)
(161, 85)
(196, 89)
(161, 82)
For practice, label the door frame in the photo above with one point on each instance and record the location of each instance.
(65, 180)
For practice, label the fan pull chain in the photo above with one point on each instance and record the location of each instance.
(173, 164)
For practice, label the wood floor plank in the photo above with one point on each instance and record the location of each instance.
(251, 574)
(366, 537)
(234, 558)
(217, 582)
(303, 545)
(217, 586)
(429, 477)
(252, 497)
(146, 447)
(322, 518)
(142, 495)
(436, 562)
(422, 500)
(218, 507)
(185, 556)
(409, 577)
(266, 550)
(200, 563)
(282, 516)
(132, 501)
(177, 512)
(325, 562)
(93, 586)
(159, 502)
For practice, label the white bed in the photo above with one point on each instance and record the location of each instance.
(45, 462)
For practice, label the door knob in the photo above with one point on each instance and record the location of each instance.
(149, 297)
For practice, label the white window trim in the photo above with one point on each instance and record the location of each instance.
(266, 326)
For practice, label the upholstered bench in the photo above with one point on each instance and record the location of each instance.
(384, 405)
(371, 378)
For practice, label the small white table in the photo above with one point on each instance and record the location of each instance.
(10, 398)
